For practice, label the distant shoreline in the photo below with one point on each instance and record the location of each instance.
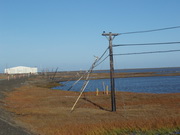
(121, 69)
(104, 74)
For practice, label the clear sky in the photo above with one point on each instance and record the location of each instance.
(67, 33)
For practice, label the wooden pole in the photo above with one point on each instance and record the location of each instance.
(85, 84)
(79, 96)
(113, 97)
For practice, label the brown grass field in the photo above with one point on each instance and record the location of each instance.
(44, 111)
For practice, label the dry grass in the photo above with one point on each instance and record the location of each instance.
(47, 112)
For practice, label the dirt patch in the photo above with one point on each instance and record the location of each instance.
(48, 112)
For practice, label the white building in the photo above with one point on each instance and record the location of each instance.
(21, 70)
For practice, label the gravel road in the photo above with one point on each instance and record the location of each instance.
(7, 126)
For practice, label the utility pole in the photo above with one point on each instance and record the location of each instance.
(113, 98)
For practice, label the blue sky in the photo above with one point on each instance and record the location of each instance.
(67, 33)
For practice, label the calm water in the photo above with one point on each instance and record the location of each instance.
(163, 84)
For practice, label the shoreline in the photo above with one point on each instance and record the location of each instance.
(61, 77)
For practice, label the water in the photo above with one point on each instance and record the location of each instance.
(159, 84)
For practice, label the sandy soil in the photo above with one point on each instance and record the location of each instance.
(48, 112)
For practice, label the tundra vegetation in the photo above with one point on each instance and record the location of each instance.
(42, 110)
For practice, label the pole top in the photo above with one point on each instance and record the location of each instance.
(110, 34)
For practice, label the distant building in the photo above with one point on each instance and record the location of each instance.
(21, 70)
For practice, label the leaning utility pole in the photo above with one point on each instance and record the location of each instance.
(113, 98)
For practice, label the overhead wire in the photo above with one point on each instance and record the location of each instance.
(166, 51)
(142, 44)
(101, 61)
(147, 44)
(98, 63)
(103, 54)
(136, 53)
(153, 30)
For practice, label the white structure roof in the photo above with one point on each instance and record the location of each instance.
(21, 70)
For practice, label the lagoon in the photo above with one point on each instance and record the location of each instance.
(157, 84)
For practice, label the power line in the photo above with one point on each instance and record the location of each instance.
(167, 51)
(103, 54)
(154, 30)
(148, 52)
(101, 61)
(146, 44)
(102, 57)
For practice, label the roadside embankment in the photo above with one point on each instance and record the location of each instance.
(7, 124)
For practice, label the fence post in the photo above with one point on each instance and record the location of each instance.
(97, 92)
(107, 90)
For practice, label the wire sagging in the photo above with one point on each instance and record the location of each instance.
(147, 44)
(166, 51)
(154, 30)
